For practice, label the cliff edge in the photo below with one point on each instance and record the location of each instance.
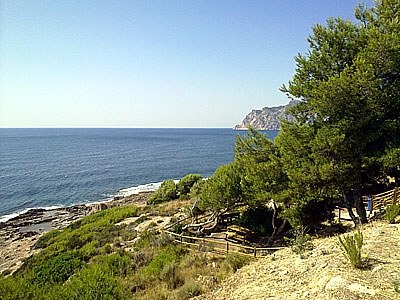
(267, 118)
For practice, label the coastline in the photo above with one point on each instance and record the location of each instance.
(19, 234)
(125, 192)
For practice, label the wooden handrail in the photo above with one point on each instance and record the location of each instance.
(382, 200)
(224, 246)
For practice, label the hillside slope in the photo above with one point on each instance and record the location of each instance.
(324, 274)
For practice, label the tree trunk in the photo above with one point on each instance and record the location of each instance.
(272, 237)
(351, 213)
(358, 201)
(277, 233)
(349, 202)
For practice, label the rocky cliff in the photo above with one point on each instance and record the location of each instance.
(267, 118)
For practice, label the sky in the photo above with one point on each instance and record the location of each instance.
(150, 63)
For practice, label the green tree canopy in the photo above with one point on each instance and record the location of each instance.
(348, 84)
(167, 191)
(222, 192)
(187, 182)
(261, 172)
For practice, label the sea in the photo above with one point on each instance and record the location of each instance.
(56, 167)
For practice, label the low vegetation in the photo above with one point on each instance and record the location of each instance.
(94, 258)
(351, 245)
(392, 211)
(302, 242)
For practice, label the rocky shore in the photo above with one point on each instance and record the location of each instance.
(18, 235)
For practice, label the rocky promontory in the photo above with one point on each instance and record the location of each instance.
(267, 118)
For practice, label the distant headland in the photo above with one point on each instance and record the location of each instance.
(267, 118)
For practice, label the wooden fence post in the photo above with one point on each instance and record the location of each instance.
(181, 237)
(372, 205)
(227, 247)
(255, 252)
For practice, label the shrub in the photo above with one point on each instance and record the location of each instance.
(46, 239)
(178, 228)
(351, 246)
(171, 276)
(187, 182)
(396, 285)
(236, 261)
(302, 242)
(166, 192)
(57, 269)
(392, 212)
(189, 290)
(93, 282)
(156, 266)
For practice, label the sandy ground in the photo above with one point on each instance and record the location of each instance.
(323, 274)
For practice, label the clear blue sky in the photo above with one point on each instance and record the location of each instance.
(150, 63)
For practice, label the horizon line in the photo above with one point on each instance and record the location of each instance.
(106, 127)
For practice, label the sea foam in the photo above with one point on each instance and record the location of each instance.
(148, 187)
(8, 217)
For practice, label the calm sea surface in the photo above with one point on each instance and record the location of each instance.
(60, 167)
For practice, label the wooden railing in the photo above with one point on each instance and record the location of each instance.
(219, 246)
(381, 201)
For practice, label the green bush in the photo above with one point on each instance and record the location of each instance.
(302, 242)
(236, 261)
(392, 212)
(94, 282)
(351, 246)
(396, 286)
(171, 276)
(58, 269)
(156, 266)
(187, 182)
(189, 290)
(167, 192)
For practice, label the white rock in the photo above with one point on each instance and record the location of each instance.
(360, 289)
(306, 294)
(284, 272)
(323, 265)
(335, 283)
(376, 269)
